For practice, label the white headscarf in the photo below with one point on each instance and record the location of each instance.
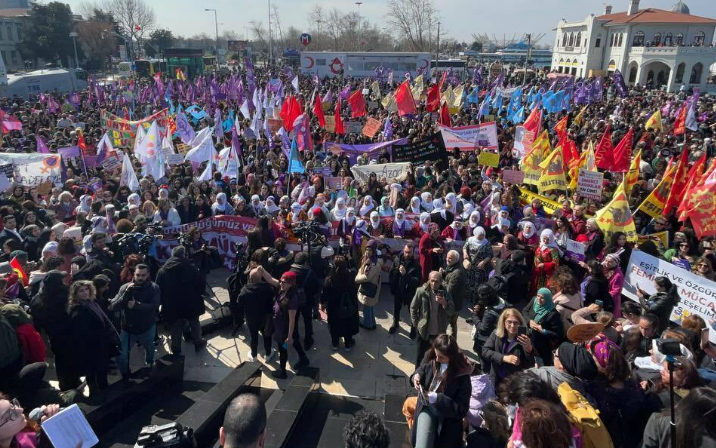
(220, 203)
(134, 199)
(550, 239)
(424, 221)
(451, 200)
(362, 227)
(528, 225)
(85, 203)
(479, 230)
(415, 204)
(439, 207)
(399, 221)
(467, 210)
(271, 206)
(350, 215)
(374, 219)
(339, 211)
(474, 218)
(365, 209)
(426, 201)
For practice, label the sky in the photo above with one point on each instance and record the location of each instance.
(460, 18)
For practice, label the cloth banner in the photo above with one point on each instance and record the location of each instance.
(698, 295)
(122, 132)
(32, 170)
(431, 148)
(549, 205)
(468, 138)
(353, 151)
(513, 176)
(389, 171)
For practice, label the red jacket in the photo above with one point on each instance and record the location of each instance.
(427, 258)
(33, 347)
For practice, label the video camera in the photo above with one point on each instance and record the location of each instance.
(308, 231)
(165, 436)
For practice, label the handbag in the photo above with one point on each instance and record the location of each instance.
(368, 289)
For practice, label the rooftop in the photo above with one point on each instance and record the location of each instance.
(14, 12)
(654, 15)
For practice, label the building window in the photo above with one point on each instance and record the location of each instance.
(9, 33)
(621, 35)
(679, 39)
(699, 38)
(632, 73)
(571, 39)
(656, 41)
(680, 72)
(13, 56)
(4, 55)
(638, 39)
(1, 34)
(696, 74)
(668, 40)
(598, 42)
(579, 40)
(564, 39)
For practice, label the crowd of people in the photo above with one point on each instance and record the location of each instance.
(451, 237)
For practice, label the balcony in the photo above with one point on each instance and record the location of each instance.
(672, 51)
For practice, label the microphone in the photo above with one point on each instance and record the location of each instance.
(37, 413)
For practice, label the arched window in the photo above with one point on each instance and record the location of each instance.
(619, 43)
(656, 41)
(680, 72)
(632, 73)
(579, 40)
(638, 39)
(679, 39)
(564, 39)
(699, 38)
(668, 40)
(612, 41)
(696, 74)
(571, 39)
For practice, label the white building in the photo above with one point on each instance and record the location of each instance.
(649, 46)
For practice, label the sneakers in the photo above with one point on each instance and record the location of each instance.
(413, 332)
(250, 358)
(279, 374)
(271, 355)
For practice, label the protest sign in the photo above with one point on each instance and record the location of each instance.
(33, 169)
(575, 251)
(489, 159)
(698, 294)
(431, 148)
(467, 138)
(174, 159)
(112, 162)
(353, 127)
(390, 171)
(372, 149)
(334, 183)
(7, 169)
(182, 148)
(371, 127)
(122, 132)
(513, 176)
(274, 124)
(330, 123)
(522, 143)
(590, 184)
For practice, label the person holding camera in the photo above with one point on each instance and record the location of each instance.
(508, 349)
(138, 303)
(430, 312)
(404, 280)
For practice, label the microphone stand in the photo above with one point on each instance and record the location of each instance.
(671, 362)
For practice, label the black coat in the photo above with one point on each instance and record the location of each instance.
(332, 297)
(8, 235)
(598, 289)
(188, 215)
(451, 406)
(181, 285)
(93, 338)
(493, 352)
(544, 343)
(256, 300)
(518, 278)
(144, 314)
(660, 304)
(403, 286)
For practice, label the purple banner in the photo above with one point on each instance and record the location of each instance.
(69, 152)
(353, 151)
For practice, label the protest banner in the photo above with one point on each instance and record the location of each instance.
(8, 169)
(431, 148)
(33, 169)
(390, 171)
(574, 251)
(590, 184)
(122, 132)
(522, 143)
(174, 159)
(468, 138)
(513, 176)
(182, 148)
(549, 205)
(274, 124)
(372, 149)
(353, 127)
(371, 127)
(112, 162)
(330, 123)
(489, 159)
(334, 183)
(698, 294)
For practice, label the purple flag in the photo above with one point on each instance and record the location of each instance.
(218, 128)
(186, 132)
(345, 93)
(619, 84)
(598, 88)
(42, 146)
(353, 151)
(388, 129)
(328, 97)
(235, 144)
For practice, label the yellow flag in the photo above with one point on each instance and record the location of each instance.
(580, 116)
(417, 88)
(542, 142)
(654, 204)
(375, 88)
(389, 103)
(631, 176)
(530, 165)
(457, 103)
(616, 217)
(552, 176)
(654, 122)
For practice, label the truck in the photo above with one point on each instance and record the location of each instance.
(363, 64)
(25, 84)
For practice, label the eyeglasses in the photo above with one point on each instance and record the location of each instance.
(512, 322)
(13, 413)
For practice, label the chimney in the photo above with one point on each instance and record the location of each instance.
(633, 7)
(607, 9)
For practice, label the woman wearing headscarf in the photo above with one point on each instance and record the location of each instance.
(385, 209)
(359, 239)
(431, 250)
(271, 207)
(415, 205)
(221, 206)
(527, 237)
(546, 260)
(368, 280)
(366, 207)
(420, 228)
(85, 204)
(473, 221)
(375, 226)
(477, 254)
(440, 215)
(426, 201)
(345, 226)
(454, 232)
(339, 211)
(593, 240)
(452, 204)
(296, 215)
(545, 325)
(400, 227)
(615, 276)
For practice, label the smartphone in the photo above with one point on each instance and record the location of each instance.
(521, 330)
(422, 393)
(441, 292)
(600, 303)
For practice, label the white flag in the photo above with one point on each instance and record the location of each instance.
(294, 83)
(204, 150)
(129, 177)
(244, 109)
(138, 138)
(208, 174)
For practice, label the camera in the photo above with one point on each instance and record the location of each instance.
(668, 346)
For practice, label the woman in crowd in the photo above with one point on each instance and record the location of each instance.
(543, 425)
(284, 321)
(568, 298)
(619, 246)
(615, 277)
(495, 429)
(443, 385)
(695, 423)
(595, 286)
(545, 325)
(704, 268)
(339, 297)
(686, 378)
(546, 259)
(477, 254)
(16, 430)
(368, 280)
(662, 303)
(508, 350)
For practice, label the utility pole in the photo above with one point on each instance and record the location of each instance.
(360, 39)
(437, 53)
(527, 59)
(216, 26)
(269, 32)
(74, 35)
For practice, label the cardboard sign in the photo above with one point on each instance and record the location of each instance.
(513, 176)
(182, 148)
(334, 183)
(575, 251)
(175, 159)
(489, 159)
(111, 162)
(431, 148)
(590, 184)
(353, 127)
(8, 170)
(584, 332)
(331, 123)
(371, 127)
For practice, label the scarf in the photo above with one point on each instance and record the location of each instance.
(365, 209)
(426, 202)
(439, 207)
(399, 224)
(541, 311)
(415, 205)
(476, 236)
(350, 216)
(424, 221)
(220, 203)
(338, 212)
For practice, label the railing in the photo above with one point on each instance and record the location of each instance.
(672, 51)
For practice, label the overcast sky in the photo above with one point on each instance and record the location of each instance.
(460, 18)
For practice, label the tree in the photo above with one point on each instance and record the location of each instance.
(415, 20)
(159, 40)
(47, 33)
(135, 18)
(476, 46)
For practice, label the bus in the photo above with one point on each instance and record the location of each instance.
(146, 68)
(363, 64)
(189, 60)
(458, 66)
(125, 69)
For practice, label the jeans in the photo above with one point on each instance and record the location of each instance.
(176, 330)
(254, 342)
(368, 316)
(147, 341)
(426, 429)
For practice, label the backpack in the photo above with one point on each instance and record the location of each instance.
(583, 415)
(301, 290)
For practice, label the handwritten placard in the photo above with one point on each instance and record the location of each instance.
(371, 127)
(590, 184)
(489, 159)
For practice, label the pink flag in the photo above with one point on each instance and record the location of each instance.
(42, 146)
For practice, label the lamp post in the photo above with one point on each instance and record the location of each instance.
(270, 51)
(360, 18)
(74, 35)
(216, 26)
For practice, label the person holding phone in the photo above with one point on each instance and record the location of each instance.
(430, 312)
(508, 349)
(545, 324)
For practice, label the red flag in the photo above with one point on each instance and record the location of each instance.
(17, 267)
(603, 155)
(622, 153)
(404, 99)
(695, 174)
(680, 122)
(339, 121)
(433, 102)
(318, 111)
(285, 112)
(9, 123)
(357, 103)
(569, 151)
(534, 121)
(561, 127)
(678, 188)
(290, 113)
(444, 118)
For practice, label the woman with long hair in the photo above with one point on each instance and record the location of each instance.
(695, 423)
(704, 268)
(618, 245)
(662, 303)
(443, 384)
(543, 424)
(596, 286)
(568, 298)
(368, 279)
(340, 300)
(495, 429)
(506, 350)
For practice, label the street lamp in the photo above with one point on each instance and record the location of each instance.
(74, 35)
(360, 43)
(216, 25)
